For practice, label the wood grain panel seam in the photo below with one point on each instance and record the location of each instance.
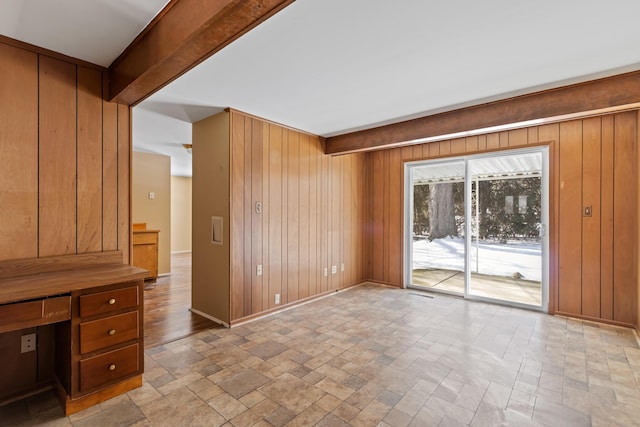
(38, 161)
(76, 142)
(582, 217)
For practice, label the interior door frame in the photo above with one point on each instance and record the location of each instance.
(544, 150)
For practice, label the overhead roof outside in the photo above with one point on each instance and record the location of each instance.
(498, 167)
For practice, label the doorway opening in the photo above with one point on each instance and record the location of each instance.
(475, 226)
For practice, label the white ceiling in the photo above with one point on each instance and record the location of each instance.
(331, 66)
(96, 31)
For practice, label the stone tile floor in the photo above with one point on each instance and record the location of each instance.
(378, 356)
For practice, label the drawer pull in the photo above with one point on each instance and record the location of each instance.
(112, 367)
(112, 331)
(112, 301)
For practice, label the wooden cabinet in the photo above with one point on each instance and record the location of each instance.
(145, 250)
(92, 308)
(109, 334)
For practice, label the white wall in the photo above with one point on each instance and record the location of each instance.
(152, 173)
(180, 213)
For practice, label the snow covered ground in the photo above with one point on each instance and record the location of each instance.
(499, 259)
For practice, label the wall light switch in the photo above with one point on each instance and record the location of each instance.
(259, 270)
(217, 230)
(277, 299)
(334, 269)
(342, 267)
(325, 272)
(587, 211)
(258, 207)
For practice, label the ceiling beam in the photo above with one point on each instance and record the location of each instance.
(185, 33)
(616, 91)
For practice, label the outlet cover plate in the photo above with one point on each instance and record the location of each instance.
(27, 343)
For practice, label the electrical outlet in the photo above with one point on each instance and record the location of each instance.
(258, 207)
(325, 272)
(277, 299)
(27, 343)
(259, 270)
(334, 269)
(152, 195)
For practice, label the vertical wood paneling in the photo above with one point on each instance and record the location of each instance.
(57, 158)
(293, 216)
(471, 144)
(314, 259)
(275, 213)
(482, 142)
(304, 198)
(18, 153)
(367, 215)
(551, 133)
(493, 141)
(445, 148)
(591, 145)
(124, 182)
(624, 217)
(458, 146)
(352, 207)
(110, 177)
(266, 214)
(284, 291)
(248, 210)
(324, 227)
(416, 152)
(89, 160)
(395, 216)
(606, 220)
(364, 248)
(237, 163)
(334, 221)
(570, 221)
(386, 209)
(377, 211)
(434, 149)
(504, 139)
(346, 221)
(532, 135)
(64, 159)
(518, 137)
(256, 234)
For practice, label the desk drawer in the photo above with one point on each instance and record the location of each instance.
(105, 302)
(109, 331)
(105, 368)
(23, 315)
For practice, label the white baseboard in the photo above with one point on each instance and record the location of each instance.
(181, 252)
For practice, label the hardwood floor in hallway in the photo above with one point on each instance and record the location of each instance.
(166, 305)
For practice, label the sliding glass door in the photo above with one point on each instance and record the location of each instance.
(438, 226)
(476, 227)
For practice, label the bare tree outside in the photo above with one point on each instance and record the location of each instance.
(442, 220)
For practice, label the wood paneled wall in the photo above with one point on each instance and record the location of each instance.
(312, 215)
(64, 159)
(593, 163)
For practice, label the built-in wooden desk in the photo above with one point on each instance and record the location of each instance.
(90, 309)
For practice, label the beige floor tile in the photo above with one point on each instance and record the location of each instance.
(227, 406)
(293, 393)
